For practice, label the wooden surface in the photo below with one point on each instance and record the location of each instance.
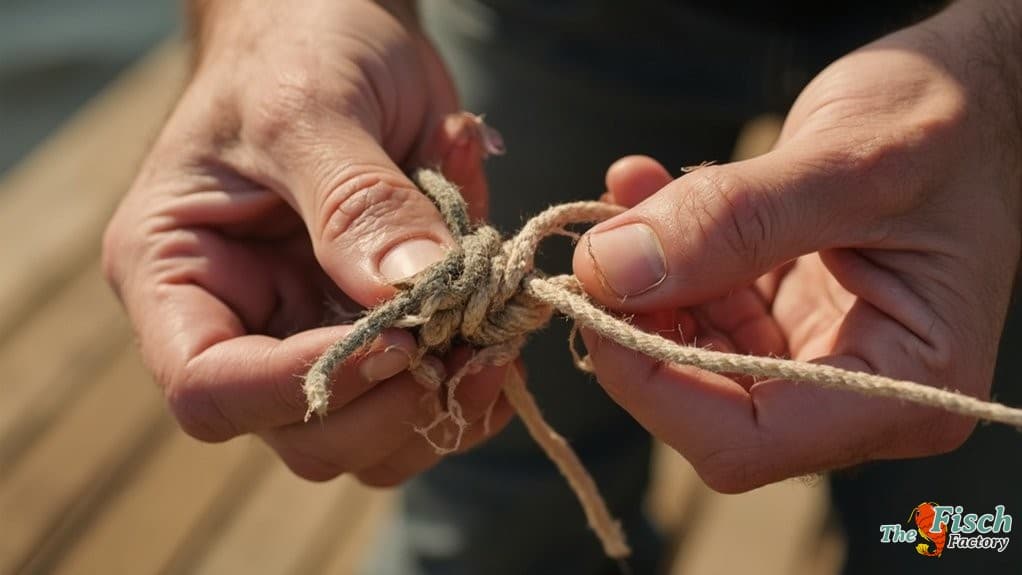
(96, 478)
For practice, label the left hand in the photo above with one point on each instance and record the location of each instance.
(277, 186)
(881, 234)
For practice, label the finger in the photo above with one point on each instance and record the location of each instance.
(479, 387)
(485, 410)
(416, 455)
(359, 435)
(740, 439)
(632, 179)
(374, 426)
(718, 227)
(370, 225)
(708, 418)
(249, 383)
(194, 301)
(746, 320)
(696, 412)
(679, 325)
(452, 140)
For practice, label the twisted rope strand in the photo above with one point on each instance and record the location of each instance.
(488, 294)
(599, 517)
(564, 293)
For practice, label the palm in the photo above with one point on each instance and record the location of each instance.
(810, 307)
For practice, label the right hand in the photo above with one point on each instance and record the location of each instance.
(274, 188)
(882, 234)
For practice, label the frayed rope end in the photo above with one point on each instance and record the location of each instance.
(317, 394)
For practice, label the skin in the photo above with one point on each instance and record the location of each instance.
(881, 234)
(275, 187)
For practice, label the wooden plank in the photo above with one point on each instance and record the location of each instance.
(359, 519)
(273, 532)
(183, 484)
(765, 531)
(53, 357)
(674, 492)
(285, 521)
(676, 495)
(55, 204)
(826, 555)
(89, 445)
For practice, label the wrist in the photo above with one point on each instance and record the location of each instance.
(979, 41)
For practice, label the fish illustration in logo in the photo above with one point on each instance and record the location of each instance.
(929, 544)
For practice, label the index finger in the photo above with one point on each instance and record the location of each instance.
(221, 381)
(740, 439)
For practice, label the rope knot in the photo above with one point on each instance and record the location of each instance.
(482, 293)
(474, 296)
(487, 293)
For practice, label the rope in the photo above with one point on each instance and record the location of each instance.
(487, 293)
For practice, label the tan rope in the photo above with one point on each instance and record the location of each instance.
(564, 293)
(488, 294)
(599, 517)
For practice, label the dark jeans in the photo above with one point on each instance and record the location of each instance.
(574, 85)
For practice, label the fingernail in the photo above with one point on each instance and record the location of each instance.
(409, 258)
(385, 364)
(628, 258)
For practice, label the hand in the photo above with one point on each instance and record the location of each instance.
(881, 234)
(274, 189)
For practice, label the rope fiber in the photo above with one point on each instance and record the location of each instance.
(487, 293)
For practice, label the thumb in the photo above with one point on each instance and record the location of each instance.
(370, 225)
(714, 229)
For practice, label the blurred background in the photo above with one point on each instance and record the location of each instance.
(94, 475)
(55, 54)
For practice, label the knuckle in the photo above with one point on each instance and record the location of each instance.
(363, 202)
(122, 244)
(935, 353)
(734, 214)
(288, 391)
(196, 410)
